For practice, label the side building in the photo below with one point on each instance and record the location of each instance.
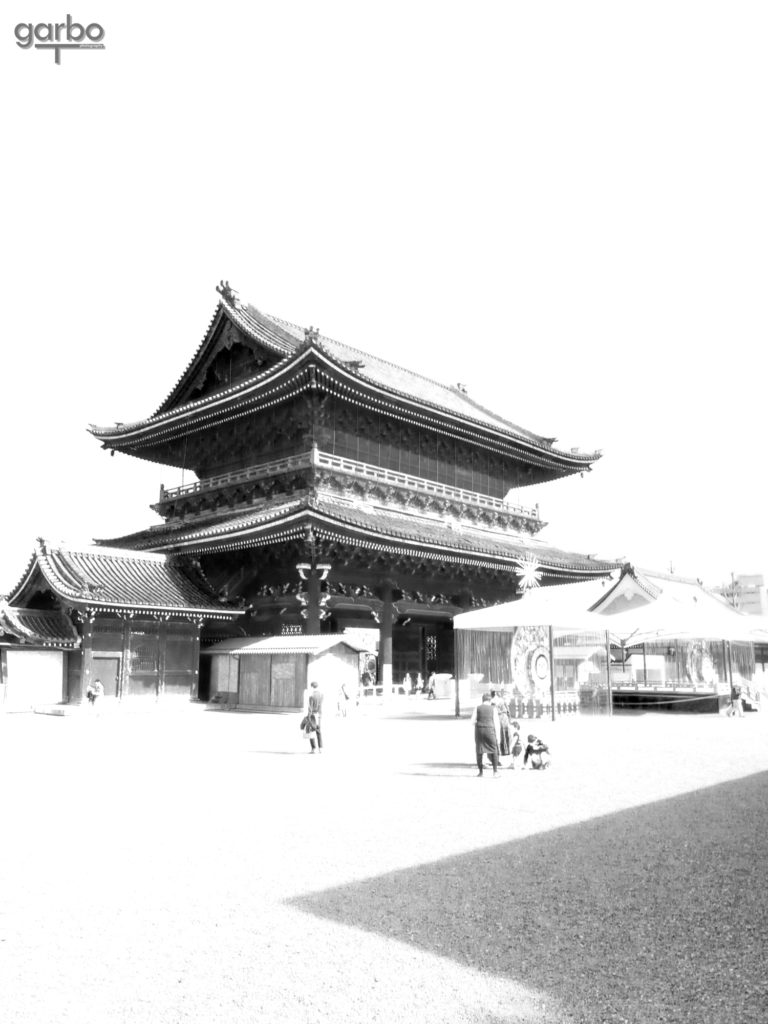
(131, 619)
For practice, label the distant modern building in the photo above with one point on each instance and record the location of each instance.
(747, 593)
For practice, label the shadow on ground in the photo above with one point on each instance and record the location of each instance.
(654, 914)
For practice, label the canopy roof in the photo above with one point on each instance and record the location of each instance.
(292, 359)
(565, 606)
(284, 645)
(637, 608)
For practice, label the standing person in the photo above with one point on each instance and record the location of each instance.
(498, 699)
(431, 683)
(737, 708)
(314, 713)
(485, 718)
(341, 702)
(94, 693)
(517, 746)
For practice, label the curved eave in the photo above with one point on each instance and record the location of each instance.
(12, 625)
(292, 526)
(26, 578)
(291, 377)
(170, 611)
(48, 567)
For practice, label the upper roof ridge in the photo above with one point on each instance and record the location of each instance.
(451, 389)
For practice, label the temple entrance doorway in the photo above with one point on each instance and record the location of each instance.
(108, 671)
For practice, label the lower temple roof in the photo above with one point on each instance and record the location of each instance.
(36, 628)
(368, 526)
(110, 580)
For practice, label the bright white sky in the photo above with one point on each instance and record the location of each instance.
(562, 205)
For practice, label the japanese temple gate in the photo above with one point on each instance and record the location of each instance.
(335, 490)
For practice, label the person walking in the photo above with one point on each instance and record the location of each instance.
(94, 693)
(736, 710)
(485, 718)
(313, 713)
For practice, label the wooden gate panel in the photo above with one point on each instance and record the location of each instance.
(254, 679)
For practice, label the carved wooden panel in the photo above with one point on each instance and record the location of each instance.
(232, 358)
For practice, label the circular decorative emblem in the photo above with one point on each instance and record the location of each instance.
(540, 665)
(530, 660)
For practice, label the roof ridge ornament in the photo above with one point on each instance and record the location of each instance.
(228, 294)
(311, 334)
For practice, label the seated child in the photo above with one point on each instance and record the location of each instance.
(537, 752)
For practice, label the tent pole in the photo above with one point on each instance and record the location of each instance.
(552, 668)
(608, 670)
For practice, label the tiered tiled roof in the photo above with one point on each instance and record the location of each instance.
(118, 580)
(36, 628)
(385, 384)
(369, 527)
(397, 379)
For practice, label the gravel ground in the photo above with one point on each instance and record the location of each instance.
(202, 867)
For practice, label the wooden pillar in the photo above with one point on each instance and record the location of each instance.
(162, 644)
(385, 643)
(123, 686)
(195, 694)
(313, 603)
(552, 669)
(608, 670)
(86, 646)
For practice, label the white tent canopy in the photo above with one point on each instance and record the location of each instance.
(685, 611)
(565, 607)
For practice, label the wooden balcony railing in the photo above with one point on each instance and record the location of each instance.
(350, 467)
(417, 483)
(238, 476)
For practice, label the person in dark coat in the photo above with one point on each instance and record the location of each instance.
(486, 721)
(537, 752)
(736, 710)
(313, 708)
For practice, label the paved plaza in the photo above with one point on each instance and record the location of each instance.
(201, 867)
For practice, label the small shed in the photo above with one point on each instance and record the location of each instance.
(274, 671)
